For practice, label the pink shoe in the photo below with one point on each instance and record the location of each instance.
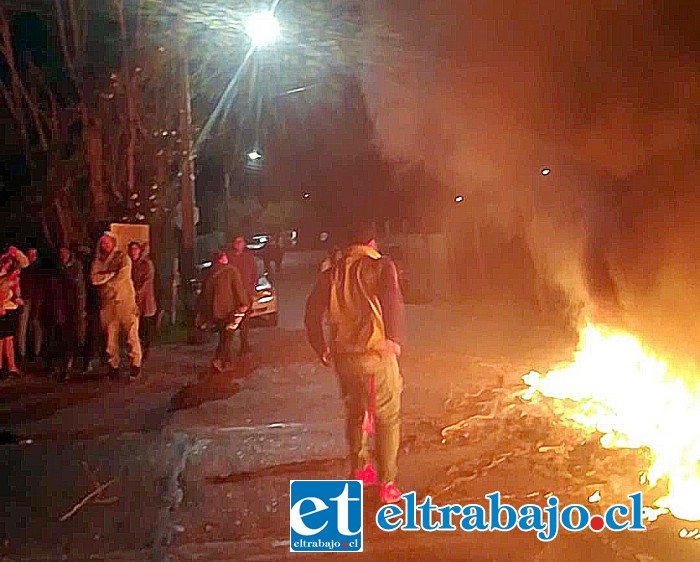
(389, 493)
(367, 474)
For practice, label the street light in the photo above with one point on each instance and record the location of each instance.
(262, 28)
(545, 171)
(459, 199)
(254, 155)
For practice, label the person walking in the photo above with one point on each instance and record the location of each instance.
(110, 272)
(244, 261)
(143, 274)
(358, 290)
(223, 297)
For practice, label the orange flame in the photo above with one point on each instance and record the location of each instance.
(626, 393)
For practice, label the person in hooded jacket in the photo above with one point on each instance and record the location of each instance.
(110, 272)
(223, 297)
(143, 274)
(59, 316)
(358, 291)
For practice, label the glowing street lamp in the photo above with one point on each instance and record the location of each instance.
(254, 155)
(545, 171)
(262, 28)
(459, 199)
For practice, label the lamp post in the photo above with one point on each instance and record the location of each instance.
(263, 29)
(187, 179)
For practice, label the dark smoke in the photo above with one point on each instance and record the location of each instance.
(605, 94)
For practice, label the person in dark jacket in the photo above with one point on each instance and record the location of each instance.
(59, 316)
(244, 260)
(223, 296)
(358, 289)
(76, 274)
(143, 274)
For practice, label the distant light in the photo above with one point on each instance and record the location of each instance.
(262, 28)
(294, 234)
(459, 199)
(254, 155)
(307, 195)
(546, 171)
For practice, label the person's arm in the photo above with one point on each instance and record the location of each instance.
(17, 294)
(253, 273)
(109, 270)
(240, 292)
(393, 308)
(146, 280)
(20, 257)
(97, 275)
(316, 307)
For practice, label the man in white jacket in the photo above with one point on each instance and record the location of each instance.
(110, 272)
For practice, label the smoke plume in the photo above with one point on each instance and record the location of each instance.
(605, 94)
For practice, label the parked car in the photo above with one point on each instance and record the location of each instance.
(265, 306)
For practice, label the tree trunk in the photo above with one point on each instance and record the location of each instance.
(92, 137)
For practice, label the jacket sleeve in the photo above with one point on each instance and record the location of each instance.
(22, 259)
(239, 290)
(97, 276)
(146, 280)
(253, 274)
(391, 299)
(316, 307)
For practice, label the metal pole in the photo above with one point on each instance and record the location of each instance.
(187, 179)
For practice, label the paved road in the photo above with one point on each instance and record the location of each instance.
(201, 468)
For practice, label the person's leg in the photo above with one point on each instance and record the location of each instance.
(149, 331)
(130, 323)
(228, 353)
(354, 384)
(22, 329)
(10, 354)
(388, 388)
(36, 329)
(110, 325)
(3, 355)
(244, 335)
(219, 353)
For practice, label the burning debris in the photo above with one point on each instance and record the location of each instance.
(515, 430)
(612, 419)
(620, 390)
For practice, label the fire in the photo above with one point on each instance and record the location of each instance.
(616, 387)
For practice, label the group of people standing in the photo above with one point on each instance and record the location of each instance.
(62, 313)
